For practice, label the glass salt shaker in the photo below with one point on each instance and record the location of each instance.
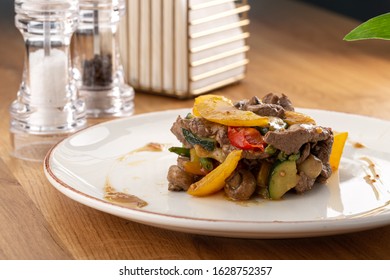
(47, 107)
(98, 69)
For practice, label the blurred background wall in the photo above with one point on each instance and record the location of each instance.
(6, 9)
(358, 9)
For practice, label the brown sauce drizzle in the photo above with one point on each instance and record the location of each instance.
(121, 198)
(371, 166)
(358, 145)
(150, 147)
(372, 176)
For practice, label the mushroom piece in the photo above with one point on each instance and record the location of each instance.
(308, 171)
(312, 166)
(178, 179)
(240, 185)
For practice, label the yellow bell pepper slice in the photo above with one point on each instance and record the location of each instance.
(194, 166)
(221, 110)
(215, 180)
(292, 117)
(337, 149)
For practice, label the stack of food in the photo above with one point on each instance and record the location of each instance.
(248, 148)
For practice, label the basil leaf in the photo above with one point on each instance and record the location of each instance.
(375, 28)
(206, 143)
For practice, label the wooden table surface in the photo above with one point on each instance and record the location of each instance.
(296, 49)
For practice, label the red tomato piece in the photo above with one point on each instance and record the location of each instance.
(246, 138)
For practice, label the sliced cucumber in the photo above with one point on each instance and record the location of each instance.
(283, 178)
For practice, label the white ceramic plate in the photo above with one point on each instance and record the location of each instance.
(84, 164)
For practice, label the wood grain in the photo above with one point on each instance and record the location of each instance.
(295, 49)
(24, 231)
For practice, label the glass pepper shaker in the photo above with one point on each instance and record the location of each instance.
(98, 69)
(47, 107)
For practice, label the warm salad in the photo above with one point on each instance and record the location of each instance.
(251, 147)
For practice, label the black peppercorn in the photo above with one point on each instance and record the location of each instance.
(98, 71)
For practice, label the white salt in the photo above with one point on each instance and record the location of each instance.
(49, 77)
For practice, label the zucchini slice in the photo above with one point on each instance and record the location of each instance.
(283, 178)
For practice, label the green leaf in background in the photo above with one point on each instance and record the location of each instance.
(375, 28)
